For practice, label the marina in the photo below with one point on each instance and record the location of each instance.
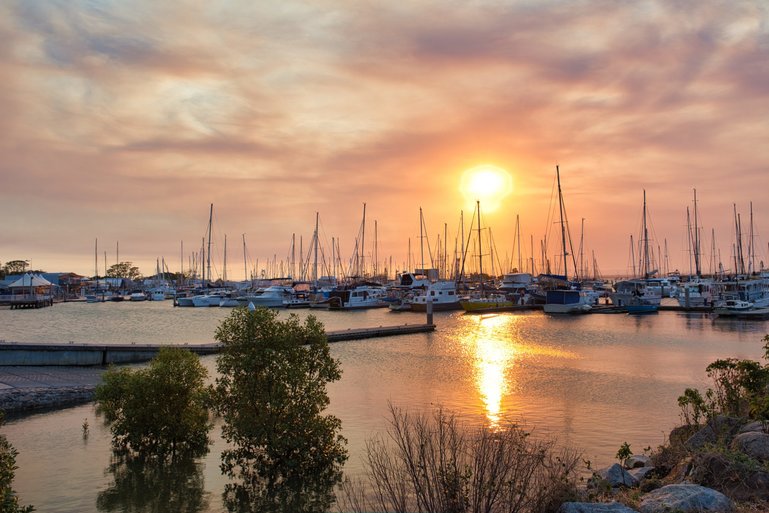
(589, 381)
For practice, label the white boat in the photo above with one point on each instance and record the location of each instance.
(357, 298)
(298, 300)
(271, 297)
(443, 295)
(137, 295)
(728, 306)
(157, 295)
(753, 289)
(208, 300)
(635, 293)
(696, 293)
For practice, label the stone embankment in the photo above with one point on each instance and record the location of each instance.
(28, 389)
(702, 469)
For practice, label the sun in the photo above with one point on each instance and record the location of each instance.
(488, 184)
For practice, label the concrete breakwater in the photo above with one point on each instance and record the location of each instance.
(19, 354)
(43, 376)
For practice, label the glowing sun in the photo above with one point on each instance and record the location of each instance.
(488, 184)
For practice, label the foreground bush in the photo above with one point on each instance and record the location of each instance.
(9, 502)
(159, 411)
(435, 464)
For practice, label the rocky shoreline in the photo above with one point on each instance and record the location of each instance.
(19, 401)
(703, 468)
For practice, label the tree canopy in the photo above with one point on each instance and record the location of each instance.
(160, 410)
(286, 455)
(124, 270)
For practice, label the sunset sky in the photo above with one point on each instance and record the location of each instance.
(124, 120)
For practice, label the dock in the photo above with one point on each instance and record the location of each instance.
(25, 301)
(84, 355)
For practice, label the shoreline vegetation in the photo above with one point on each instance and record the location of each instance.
(717, 460)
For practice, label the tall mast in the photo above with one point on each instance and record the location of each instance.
(315, 252)
(96, 258)
(689, 242)
(421, 241)
(751, 245)
(518, 237)
(480, 246)
(361, 264)
(224, 271)
(697, 242)
(245, 260)
(563, 226)
(208, 254)
(646, 264)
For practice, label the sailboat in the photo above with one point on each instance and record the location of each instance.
(636, 295)
(564, 297)
(484, 299)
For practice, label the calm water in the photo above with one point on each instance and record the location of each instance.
(592, 382)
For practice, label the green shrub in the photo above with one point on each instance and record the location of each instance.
(159, 411)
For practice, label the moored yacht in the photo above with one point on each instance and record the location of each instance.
(443, 295)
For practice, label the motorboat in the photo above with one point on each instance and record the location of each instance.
(357, 298)
(271, 297)
(137, 295)
(442, 294)
(635, 295)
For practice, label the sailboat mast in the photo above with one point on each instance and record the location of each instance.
(361, 263)
(563, 226)
(245, 260)
(315, 252)
(224, 271)
(421, 241)
(697, 242)
(480, 246)
(208, 254)
(646, 264)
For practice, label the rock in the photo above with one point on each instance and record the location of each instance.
(720, 428)
(685, 498)
(739, 481)
(758, 426)
(754, 444)
(640, 473)
(616, 476)
(638, 460)
(594, 507)
(20, 400)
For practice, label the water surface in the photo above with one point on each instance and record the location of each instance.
(592, 382)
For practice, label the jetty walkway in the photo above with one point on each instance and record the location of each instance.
(40, 376)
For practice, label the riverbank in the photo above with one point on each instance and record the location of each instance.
(28, 389)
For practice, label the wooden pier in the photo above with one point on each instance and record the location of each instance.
(22, 354)
(25, 301)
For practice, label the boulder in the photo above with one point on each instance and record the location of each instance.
(640, 473)
(685, 498)
(638, 460)
(616, 477)
(594, 507)
(738, 480)
(753, 443)
(759, 426)
(720, 428)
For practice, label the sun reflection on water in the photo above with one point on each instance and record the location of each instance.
(495, 346)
